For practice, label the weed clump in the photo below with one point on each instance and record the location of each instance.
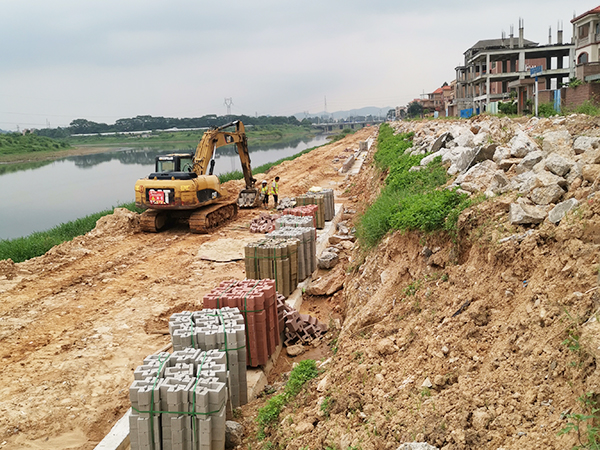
(410, 200)
(269, 414)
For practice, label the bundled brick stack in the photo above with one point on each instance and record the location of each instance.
(216, 329)
(257, 302)
(307, 247)
(300, 328)
(178, 401)
(273, 259)
(264, 223)
(312, 199)
(304, 211)
(328, 203)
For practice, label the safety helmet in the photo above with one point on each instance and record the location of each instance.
(264, 181)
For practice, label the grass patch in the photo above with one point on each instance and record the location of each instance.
(409, 200)
(17, 143)
(37, 244)
(269, 414)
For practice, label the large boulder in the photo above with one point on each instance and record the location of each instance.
(590, 172)
(520, 214)
(558, 165)
(545, 195)
(560, 210)
(501, 153)
(558, 141)
(521, 144)
(459, 159)
(529, 161)
(233, 434)
(479, 177)
(583, 144)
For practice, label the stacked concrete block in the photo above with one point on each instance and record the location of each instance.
(274, 259)
(179, 401)
(307, 246)
(301, 328)
(257, 302)
(219, 330)
(319, 201)
(329, 201)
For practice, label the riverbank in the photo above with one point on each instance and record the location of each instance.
(88, 145)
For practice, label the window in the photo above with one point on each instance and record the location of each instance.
(582, 58)
(584, 30)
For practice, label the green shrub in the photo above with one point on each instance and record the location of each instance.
(507, 107)
(546, 110)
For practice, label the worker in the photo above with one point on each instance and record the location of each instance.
(264, 193)
(275, 190)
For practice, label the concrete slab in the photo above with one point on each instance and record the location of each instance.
(118, 438)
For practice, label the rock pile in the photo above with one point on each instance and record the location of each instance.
(549, 167)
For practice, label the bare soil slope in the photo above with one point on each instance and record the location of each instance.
(463, 342)
(75, 322)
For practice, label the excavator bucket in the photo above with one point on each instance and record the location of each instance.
(248, 198)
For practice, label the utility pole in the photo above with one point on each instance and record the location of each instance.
(228, 103)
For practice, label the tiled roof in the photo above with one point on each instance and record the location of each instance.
(596, 10)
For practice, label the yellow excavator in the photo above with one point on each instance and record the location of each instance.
(181, 190)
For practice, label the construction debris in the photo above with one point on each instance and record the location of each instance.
(264, 223)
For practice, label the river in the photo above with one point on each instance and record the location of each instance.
(41, 198)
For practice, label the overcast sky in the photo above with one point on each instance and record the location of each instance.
(103, 60)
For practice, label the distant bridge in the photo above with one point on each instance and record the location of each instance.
(331, 126)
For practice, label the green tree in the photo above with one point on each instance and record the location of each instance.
(415, 109)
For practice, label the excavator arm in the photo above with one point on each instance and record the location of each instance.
(215, 138)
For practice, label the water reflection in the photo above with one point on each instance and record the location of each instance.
(147, 155)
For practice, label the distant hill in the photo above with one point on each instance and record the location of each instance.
(366, 111)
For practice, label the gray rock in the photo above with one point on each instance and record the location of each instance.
(432, 156)
(500, 183)
(591, 156)
(501, 153)
(521, 144)
(560, 210)
(328, 260)
(295, 350)
(478, 177)
(233, 434)
(546, 194)
(584, 143)
(575, 172)
(558, 141)
(525, 214)
(506, 164)
(465, 138)
(460, 159)
(546, 178)
(441, 142)
(416, 446)
(337, 238)
(558, 165)
(529, 161)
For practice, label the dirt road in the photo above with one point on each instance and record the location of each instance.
(75, 322)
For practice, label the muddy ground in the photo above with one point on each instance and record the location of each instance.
(481, 344)
(75, 322)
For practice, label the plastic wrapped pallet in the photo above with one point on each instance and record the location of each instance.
(257, 301)
(182, 404)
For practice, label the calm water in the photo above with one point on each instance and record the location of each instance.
(40, 198)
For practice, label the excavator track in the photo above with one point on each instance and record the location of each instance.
(206, 219)
(153, 221)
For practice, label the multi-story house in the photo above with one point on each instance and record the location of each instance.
(494, 68)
